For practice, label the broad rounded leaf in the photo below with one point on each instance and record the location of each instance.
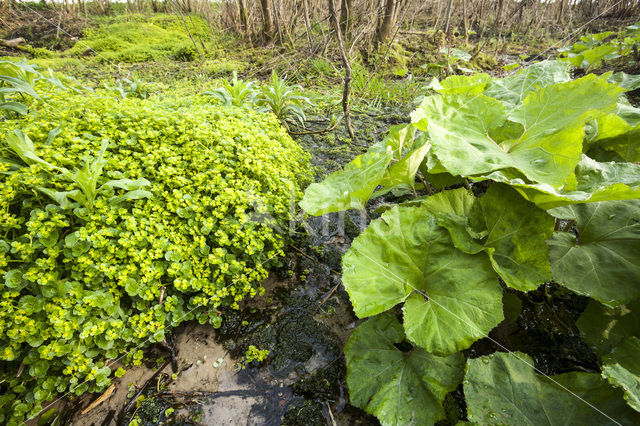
(349, 188)
(398, 387)
(591, 182)
(452, 208)
(452, 298)
(514, 89)
(603, 328)
(602, 261)
(626, 81)
(13, 278)
(517, 234)
(503, 388)
(622, 369)
(467, 138)
(457, 84)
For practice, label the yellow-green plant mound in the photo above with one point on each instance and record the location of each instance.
(121, 219)
(140, 38)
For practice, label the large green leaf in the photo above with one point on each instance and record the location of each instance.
(626, 81)
(349, 188)
(542, 144)
(514, 89)
(473, 84)
(398, 387)
(622, 369)
(627, 145)
(451, 298)
(602, 261)
(403, 171)
(503, 388)
(603, 328)
(591, 182)
(517, 234)
(618, 132)
(453, 208)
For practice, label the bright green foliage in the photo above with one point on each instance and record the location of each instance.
(602, 260)
(593, 49)
(503, 388)
(442, 256)
(456, 84)
(346, 189)
(234, 93)
(626, 81)
(622, 369)
(408, 387)
(133, 87)
(591, 182)
(141, 38)
(451, 298)
(408, 154)
(283, 100)
(513, 90)
(17, 79)
(93, 232)
(253, 354)
(614, 335)
(516, 234)
(20, 79)
(470, 135)
(604, 328)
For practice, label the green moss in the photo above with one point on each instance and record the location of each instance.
(307, 413)
(139, 38)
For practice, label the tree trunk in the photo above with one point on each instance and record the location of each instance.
(496, 24)
(347, 68)
(242, 11)
(267, 20)
(386, 27)
(307, 22)
(448, 14)
(345, 17)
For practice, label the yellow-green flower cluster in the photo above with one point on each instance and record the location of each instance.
(80, 286)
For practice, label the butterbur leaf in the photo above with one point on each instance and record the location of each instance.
(547, 147)
(622, 369)
(404, 171)
(604, 328)
(517, 234)
(459, 84)
(560, 134)
(349, 188)
(626, 81)
(457, 128)
(400, 138)
(503, 388)
(602, 261)
(452, 209)
(627, 145)
(451, 298)
(407, 387)
(591, 182)
(514, 89)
